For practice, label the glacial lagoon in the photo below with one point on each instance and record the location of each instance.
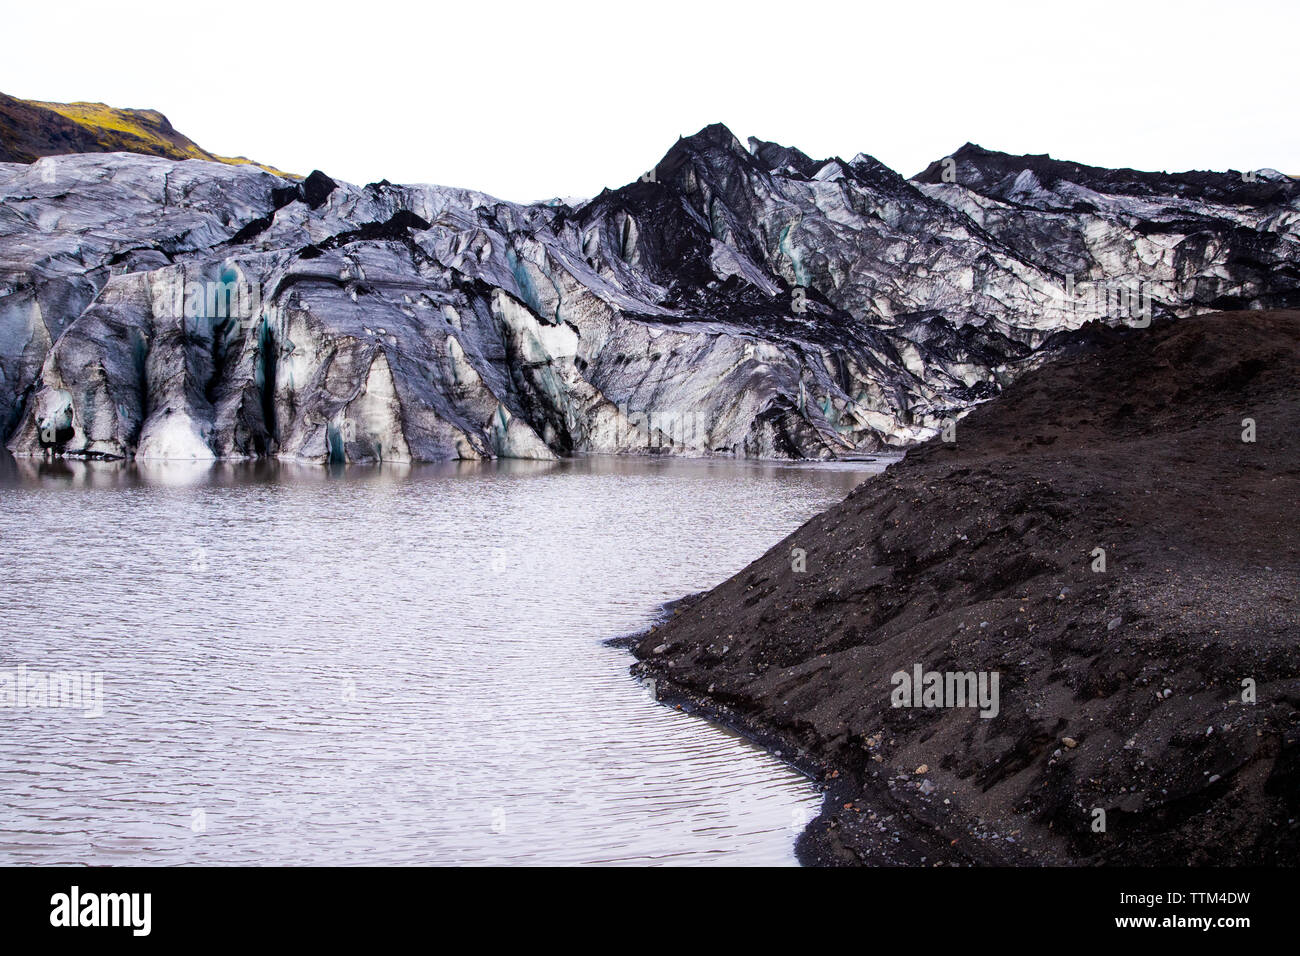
(377, 665)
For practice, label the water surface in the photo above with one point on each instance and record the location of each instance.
(379, 665)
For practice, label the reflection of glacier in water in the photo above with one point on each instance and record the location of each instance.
(379, 665)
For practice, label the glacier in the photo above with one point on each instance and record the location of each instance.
(741, 300)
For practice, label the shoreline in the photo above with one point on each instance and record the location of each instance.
(814, 845)
(1123, 734)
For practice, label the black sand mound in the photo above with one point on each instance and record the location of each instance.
(1125, 730)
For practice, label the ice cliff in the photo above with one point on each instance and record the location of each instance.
(738, 301)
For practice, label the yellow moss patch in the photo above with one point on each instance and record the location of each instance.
(142, 131)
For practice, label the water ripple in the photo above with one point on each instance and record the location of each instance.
(379, 665)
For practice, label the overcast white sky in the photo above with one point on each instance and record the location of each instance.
(563, 97)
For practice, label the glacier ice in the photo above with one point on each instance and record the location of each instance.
(741, 301)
